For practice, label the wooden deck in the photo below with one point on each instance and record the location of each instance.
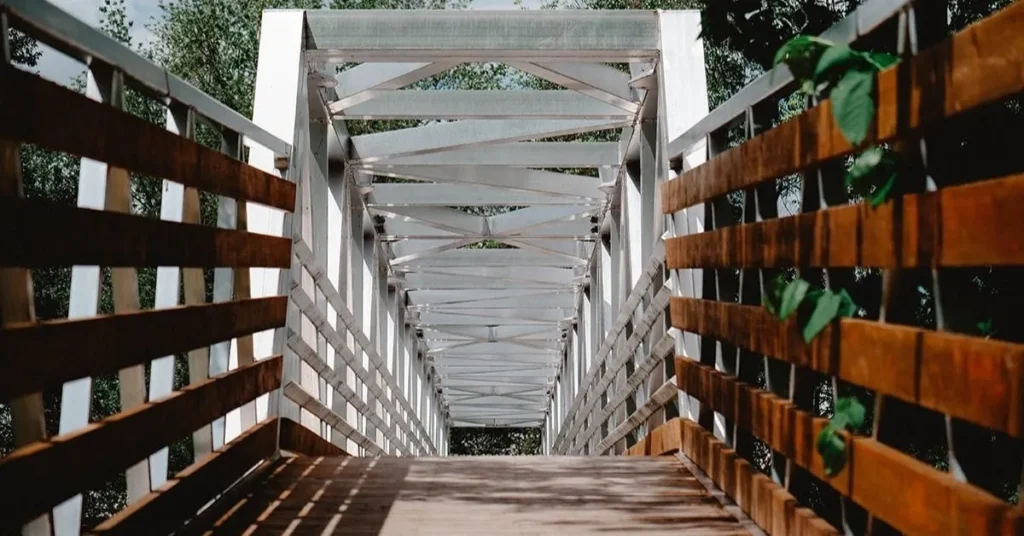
(485, 495)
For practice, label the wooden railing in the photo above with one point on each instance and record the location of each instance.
(965, 378)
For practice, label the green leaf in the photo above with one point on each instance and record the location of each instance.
(852, 411)
(792, 296)
(772, 299)
(882, 60)
(834, 62)
(985, 327)
(881, 193)
(853, 105)
(801, 55)
(824, 312)
(832, 449)
(873, 175)
(846, 305)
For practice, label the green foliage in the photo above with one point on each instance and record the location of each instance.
(494, 441)
(848, 76)
(849, 415)
(815, 308)
(873, 175)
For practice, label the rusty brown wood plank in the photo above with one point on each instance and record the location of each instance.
(972, 378)
(979, 65)
(45, 354)
(36, 107)
(172, 504)
(949, 228)
(45, 234)
(874, 472)
(301, 440)
(46, 472)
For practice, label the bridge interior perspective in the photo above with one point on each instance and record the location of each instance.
(599, 256)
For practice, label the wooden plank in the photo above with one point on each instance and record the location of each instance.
(301, 440)
(874, 472)
(172, 504)
(39, 355)
(46, 114)
(979, 65)
(975, 379)
(44, 234)
(47, 472)
(948, 228)
(770, 506)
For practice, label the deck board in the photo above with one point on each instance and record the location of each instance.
(477, 495)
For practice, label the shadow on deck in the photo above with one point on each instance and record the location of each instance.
(485, 495)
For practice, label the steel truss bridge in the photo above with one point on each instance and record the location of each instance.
(355, 319)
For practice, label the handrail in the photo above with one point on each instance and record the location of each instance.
(666, 392)
(865, 18)
(655, 262)
(56, 28)
(306, 257)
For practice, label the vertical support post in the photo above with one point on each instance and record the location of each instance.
(94, 179)
(682, 82)
(17, 299)
(279, 98)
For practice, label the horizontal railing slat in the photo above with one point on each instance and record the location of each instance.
(42, 474)
(932, 502)
(302, 440)
(45, 234)
(952, 227)
(300, 396)
(46, 354)
(972, 378)
(171, 505)
(43, 113)
(979, 65)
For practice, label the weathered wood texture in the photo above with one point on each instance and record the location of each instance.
(931, 502)
(979, 65)
(46, 114)
(976, 379)
(49, 234)
(479, 495)
(172, 504)
(301, 440)
(42, 474)
(949, 228)
(103, 344)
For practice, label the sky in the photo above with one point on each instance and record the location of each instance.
(59, 68)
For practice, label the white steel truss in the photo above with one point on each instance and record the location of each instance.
(478, 255)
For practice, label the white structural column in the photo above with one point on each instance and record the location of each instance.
(683, 80)
(280, 79)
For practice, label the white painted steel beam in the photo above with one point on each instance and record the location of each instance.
(516, 179)
(600, 82)
(417, 35)
(488, 257)
(437, 137)
(539, 154)
(518, 220)
(446, 219)
(447, 195)
(369, 80)
(478, 104)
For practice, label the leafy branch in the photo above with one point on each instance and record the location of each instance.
(847, 77)
(816, 308)
(849, 415)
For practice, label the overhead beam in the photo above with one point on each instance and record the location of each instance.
(516, 179)
(369, 80)
(491, 257)
(600, 82)
(521, 155)
(518, 220)
(447, 195)
(437, 137)
(478, 104)
(398, 35)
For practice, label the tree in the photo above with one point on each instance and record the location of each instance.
(494, 441)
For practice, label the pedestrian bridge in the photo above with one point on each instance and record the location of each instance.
(494, 263)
